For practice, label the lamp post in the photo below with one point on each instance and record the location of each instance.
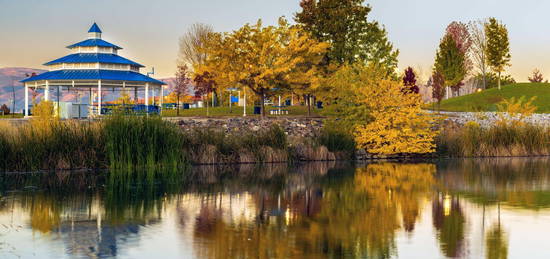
(230, 101)
(244, 102)
(13, 90)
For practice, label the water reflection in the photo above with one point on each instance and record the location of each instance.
(455, 209)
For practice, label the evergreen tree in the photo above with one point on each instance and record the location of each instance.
(344, 24)
(498, 47)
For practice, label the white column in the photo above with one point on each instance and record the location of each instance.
(154, 95)
(146, 93)
(47, 91)
(279, 104)
(26, 100)
(161, 96)
(244, 102)
(99, 97)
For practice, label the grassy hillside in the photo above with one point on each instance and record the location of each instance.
(487, 100)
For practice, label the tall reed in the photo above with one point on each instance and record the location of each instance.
(138, 141)
(50, 145)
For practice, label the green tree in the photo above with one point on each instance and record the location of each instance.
(344, 24)
(449, 61)
(498, 47)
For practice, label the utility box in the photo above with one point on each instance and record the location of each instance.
(79, 111)
(68, 110)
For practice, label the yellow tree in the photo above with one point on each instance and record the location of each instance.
(307, 76)
(386, 119)
(265, 60)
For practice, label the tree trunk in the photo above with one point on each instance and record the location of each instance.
(484, 81)
(262, 103)
(498, 80)
(308, 105)
(178, 106)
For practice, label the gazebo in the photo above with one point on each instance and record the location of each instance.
(93, 66)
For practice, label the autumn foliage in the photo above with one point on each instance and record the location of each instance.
(265, 59)
(409, 81)
(387, 120)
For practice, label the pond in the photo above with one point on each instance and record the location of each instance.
(491, 208)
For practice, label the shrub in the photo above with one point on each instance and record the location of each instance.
(4, 109)
(336, 138)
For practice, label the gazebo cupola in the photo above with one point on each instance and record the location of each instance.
(93, 64)
(94, 32)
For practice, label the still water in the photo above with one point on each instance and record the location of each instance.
(493, 208)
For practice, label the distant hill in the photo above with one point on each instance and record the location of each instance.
(10, 76)
(487, 100)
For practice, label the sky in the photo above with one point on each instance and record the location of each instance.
(33, 32)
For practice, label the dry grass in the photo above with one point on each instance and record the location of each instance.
(500, 140)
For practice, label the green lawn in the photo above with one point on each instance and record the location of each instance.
(237, 111)
(11, 116)
(487, 100)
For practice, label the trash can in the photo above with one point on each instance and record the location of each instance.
(186, 106)
(319, 105)
(257, 110)
(287, 103)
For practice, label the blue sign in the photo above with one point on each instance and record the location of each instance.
(234, 99)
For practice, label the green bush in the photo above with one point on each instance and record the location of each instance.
(336, 137)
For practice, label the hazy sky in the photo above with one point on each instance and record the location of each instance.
(33, 32)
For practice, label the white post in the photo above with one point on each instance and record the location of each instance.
(99, 97)
(161, 97)
(47, 91)
(229, 101)
(279, 104)
(244, 102)
(26, 100)
(146, 94)
(154, 95)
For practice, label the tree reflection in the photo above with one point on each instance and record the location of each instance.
(348, 214)
(44, 213)
(496, 242)
(449, 221)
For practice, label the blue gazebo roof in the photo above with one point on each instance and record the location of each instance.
(94, 28)
(93, 43)
(89, 70)
(94, 74)
(94, 58)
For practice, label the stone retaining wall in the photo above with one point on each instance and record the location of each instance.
(294, 127)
